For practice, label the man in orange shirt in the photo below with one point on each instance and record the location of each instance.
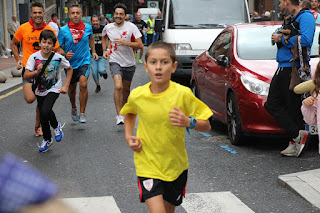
(29, 33)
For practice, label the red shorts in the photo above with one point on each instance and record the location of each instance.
(172, 192)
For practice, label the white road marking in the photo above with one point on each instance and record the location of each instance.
(214, 202)
(105, 204)
(207, 202)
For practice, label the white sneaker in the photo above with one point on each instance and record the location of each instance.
(290, 151)
(120, 119)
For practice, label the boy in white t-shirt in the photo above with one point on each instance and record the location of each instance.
(50, 85)
(165, 110)
(124, 38)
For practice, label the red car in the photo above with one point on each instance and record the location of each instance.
(233, 77)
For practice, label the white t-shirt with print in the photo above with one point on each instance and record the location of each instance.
(123, 55)
(51, 77)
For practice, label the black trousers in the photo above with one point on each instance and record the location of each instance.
(149, 39)
(283, 104)
(47, 116)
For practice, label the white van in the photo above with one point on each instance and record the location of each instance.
(145, 12)
(191, 26)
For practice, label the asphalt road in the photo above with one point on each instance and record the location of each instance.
(94, 160)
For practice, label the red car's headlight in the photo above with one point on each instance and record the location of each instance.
(254, 85)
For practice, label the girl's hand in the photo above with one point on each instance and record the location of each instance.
(134, 143)
(309, 101)
(178, 118)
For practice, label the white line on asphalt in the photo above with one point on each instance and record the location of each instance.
(10, 93)
(214, 202)
(105, 204)
(208, 202)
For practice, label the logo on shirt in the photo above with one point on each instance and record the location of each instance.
(36, 46)
(148, 184)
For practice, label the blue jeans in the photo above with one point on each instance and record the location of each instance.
(98, 67)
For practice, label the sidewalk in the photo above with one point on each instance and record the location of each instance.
(6, 64)
(306, 184)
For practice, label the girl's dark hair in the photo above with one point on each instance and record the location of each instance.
(316, 79)
(161, 45)
(47, 34)
(122, 6)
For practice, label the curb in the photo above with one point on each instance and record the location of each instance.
(305, 184)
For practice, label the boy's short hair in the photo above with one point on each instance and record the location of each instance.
(36, 4)
(122, 6)
(162, 45)
(47, 34)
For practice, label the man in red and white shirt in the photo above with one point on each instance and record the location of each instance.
(124, 38)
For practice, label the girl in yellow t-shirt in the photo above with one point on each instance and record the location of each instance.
(165, 109)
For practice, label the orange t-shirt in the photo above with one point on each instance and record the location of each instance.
(30, 40)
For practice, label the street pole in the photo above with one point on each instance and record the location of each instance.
(276, 10)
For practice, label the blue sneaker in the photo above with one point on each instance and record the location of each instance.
(45, 145)
(58, 132)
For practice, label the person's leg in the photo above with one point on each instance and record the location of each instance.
(83, 95)
(169, 207)
(141, 53)
(102, 67)
(156, 204)
(94, 68)
(44, 117)
(49, 102)
(29, 95)
(149, 39)
(118, 93)
(125, 92)
(72, 94)
(278, 100)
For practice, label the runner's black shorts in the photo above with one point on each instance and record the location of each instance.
(172, 192)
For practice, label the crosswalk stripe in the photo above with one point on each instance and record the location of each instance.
(208, 202)
(105, 204)
(211, 202)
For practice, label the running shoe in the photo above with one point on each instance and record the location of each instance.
(58, 133)
(45, 145)
(301, 141)
(105, 76)
(74, 114)
(120, 119)
(38, 131)
(290, 150)
(98, 89)
(140, 61)
(135, 55)
(82, 118)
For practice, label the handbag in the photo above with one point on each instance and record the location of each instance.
(38, 79)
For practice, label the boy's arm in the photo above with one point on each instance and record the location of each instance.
(133, 142)
(178, 118)
(65, 88)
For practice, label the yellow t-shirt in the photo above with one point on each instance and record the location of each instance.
(30, 40)
(163, 154)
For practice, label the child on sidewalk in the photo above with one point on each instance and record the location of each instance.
(165, 110)
(311, 106)
(50, 85)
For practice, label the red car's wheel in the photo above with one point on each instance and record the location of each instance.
(233, 121)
